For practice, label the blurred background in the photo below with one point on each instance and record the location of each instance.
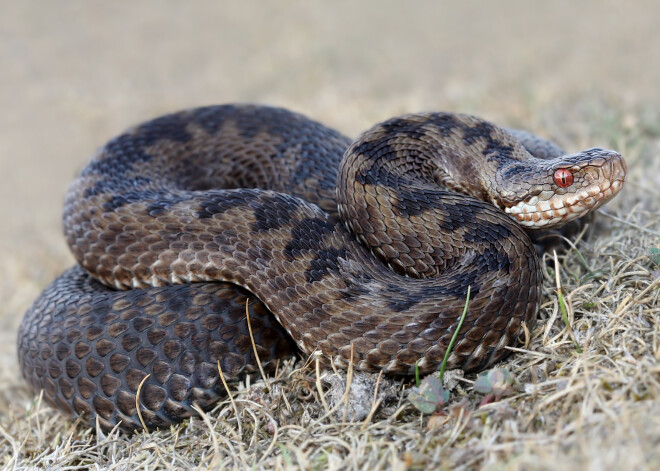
(73, 74)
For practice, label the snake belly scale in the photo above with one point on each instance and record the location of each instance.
(361, 250)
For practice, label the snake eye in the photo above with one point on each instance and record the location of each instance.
(563, 178)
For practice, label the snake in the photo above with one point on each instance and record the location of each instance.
(212, 236)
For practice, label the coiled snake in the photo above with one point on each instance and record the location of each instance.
(365, 258)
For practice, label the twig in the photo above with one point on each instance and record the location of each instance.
(231, 398)
(137, 402)
(254, 345)
(623, 221)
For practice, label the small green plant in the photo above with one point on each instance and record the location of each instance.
(429, 396)
(495, 384)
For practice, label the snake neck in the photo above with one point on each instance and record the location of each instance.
(388, 193)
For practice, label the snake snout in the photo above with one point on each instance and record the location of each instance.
(617, 169)
(604, 176)
(603, 165)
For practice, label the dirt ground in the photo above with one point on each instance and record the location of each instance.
(73, 74)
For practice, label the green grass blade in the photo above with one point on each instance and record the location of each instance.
(453, 338)
(564, 315)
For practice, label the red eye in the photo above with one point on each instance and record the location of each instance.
(563, 178)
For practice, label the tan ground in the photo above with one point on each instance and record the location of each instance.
(73, 74)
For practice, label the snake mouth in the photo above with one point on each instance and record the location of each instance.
(549, 208)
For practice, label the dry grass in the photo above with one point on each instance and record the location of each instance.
(594, 409)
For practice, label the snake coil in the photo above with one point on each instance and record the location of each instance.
(363, 251)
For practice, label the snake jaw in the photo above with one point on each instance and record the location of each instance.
(598, 177)
(558, 209)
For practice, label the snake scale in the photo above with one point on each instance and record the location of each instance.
(361, 250)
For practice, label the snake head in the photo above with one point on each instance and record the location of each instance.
(556, 191)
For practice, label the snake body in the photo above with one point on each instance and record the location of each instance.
(361, 250)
